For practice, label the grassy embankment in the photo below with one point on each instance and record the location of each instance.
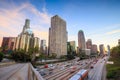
(113, 70)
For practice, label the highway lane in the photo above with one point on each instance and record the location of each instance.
(96, 72)
(58, 74)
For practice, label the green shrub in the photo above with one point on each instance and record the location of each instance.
(113, 70)
(111, 74)
(21, 56)
(70, 57)
(53, 55)
(63, 57)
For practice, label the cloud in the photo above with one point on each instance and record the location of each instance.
(12, 18)
(113, 32)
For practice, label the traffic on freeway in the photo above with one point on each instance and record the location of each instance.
(67, 70)
(87, 69)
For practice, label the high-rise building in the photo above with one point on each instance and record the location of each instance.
(26, 39)
(71, 47)
(94, 48)
(58, 36)
(108, 48)
(35, 41)
(102, 49)
(8, 43)
(49, 40)
(81, 40)
(89, 44)
(43, 46)
(46, 50)
(118, 41)
(72, 43)
(77, 50)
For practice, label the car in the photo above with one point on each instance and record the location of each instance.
(50, 65)
(92, 67)
(43, 72)
(62, 67)
(73, 69)
(46, 66)
(94, 62)
(67, 65)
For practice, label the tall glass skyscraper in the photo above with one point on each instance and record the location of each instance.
(81, 40)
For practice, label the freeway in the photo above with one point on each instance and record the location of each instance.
(96, 72)
(57, 71)
(62, 71)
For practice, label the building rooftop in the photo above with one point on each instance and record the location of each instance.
(80, 31)
(56, 16)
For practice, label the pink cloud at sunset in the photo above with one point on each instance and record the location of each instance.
(12, 19)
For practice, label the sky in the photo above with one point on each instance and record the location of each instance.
(99, 19)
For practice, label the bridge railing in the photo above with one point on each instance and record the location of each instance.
(33, 74)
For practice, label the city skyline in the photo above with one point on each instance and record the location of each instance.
(98, 19)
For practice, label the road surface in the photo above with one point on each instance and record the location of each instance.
(64, 73)
(7, 72)
(97, 71)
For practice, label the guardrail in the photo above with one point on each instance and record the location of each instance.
(33, 74)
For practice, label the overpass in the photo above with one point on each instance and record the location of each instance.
(20, 71)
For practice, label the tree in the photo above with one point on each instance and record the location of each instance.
(115, 51)
(32, 52)
(70, 56)
(5, 48)
(63, 57)
(1, 56)
(53, 55)
(21, 55)
(82, 55)
(1, 49)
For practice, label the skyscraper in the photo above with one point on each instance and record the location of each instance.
(94, 48)
(36, 42)
(108, 48)
(58, 36)
(77, 50)
(49, 40)
(89, 44)
(102, 49)
(43, 46)
(26, 39)
(71, 47)
(81, 40)
(72, 43)
(118, 41)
